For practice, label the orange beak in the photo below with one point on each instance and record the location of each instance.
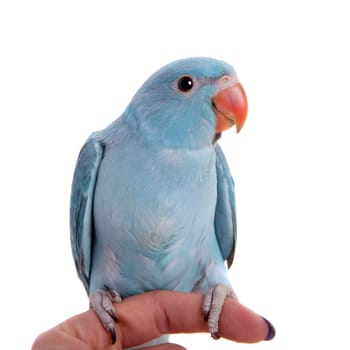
(231, 107)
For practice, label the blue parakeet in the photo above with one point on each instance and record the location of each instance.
(152, 201)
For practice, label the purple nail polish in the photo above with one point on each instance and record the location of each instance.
(272, 332)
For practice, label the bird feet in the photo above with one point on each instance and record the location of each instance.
(101, 301)
(212, 305)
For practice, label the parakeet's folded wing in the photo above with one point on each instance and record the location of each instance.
(81, 204)
(225, 212)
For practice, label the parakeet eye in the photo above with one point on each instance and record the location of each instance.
(185, 83)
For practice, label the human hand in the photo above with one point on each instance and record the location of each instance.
(150, 315)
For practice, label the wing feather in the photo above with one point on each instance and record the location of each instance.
(225, 213)
(81, 206)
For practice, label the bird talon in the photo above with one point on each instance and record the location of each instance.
(215, 335)
(102, 302)
(112, 314)
(113, 335)
(212, 306)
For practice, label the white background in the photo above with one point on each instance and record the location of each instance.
(70, 67)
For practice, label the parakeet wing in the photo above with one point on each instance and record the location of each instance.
(225, 212)
(81, 219)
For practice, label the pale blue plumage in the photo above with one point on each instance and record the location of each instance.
(152, 203)
(225, 211)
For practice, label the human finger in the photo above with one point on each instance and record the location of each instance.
(150, 315)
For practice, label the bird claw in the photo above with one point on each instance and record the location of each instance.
(102, 302)
(212, 306)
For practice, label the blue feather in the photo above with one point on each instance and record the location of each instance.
(82, 194)
(225, 212)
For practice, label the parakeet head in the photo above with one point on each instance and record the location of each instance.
(188, 103)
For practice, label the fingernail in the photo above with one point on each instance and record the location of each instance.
(272, 332)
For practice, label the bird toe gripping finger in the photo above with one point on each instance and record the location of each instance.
(212, 305)
(102, 302)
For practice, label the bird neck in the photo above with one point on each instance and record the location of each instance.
(174, 129)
